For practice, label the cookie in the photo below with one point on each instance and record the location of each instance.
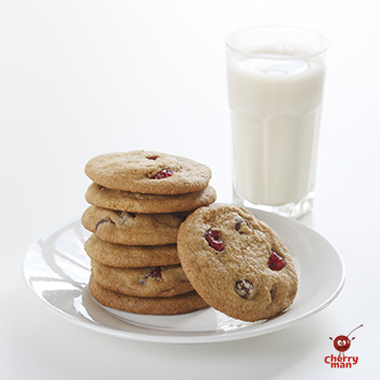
(182, 303)
(237, 263)
(132, 229)
(103, 197)
(148, 172)
(165, 281)
(130, 256)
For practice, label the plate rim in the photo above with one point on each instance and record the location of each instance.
(204, 337)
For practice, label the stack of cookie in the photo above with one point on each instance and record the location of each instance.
(138, 201)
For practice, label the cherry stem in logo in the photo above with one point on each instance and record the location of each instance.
(354, 330)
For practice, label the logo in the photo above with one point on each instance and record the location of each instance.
(342, 343)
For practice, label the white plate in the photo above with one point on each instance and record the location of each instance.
(57, 269)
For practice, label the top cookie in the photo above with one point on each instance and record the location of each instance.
(148, 172)
(236, 263)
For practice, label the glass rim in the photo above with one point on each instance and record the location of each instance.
(323, 49)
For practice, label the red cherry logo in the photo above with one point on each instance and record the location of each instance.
(342, 343)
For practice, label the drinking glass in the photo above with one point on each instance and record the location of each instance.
(275, 89)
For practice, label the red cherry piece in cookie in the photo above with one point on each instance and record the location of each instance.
(164, 173)
(275, 261)
(153, 158)
(153, 273)
(156, 273)
(214, 240)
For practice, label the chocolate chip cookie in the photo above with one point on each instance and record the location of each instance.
(160, 281)
(120, 200)
(132, 229)
(130, 256)
(237, 263)
(179, 304)
(148, 172)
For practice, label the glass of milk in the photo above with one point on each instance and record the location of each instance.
(275, 89)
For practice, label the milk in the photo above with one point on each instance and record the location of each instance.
(275, 96)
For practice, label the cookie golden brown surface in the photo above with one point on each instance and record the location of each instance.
(183, 303)
(237, 263)
(130, 256)
(120, 200)
(148, 172)
(132, 229)
(165, 281)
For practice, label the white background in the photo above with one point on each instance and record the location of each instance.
(80, 78)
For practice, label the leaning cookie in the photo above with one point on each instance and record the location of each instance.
(103, 197)
(165, 281)
(236, 263)
(130, 256)
(148, 172)
(180, 304)
(132, 229)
